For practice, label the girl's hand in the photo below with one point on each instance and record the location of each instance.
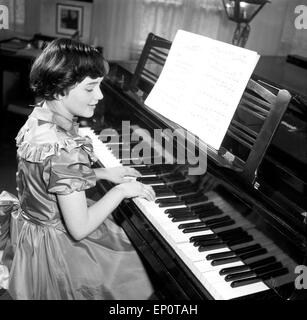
(137, 189)
(119, 174)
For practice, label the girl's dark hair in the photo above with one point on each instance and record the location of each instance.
(62, 64)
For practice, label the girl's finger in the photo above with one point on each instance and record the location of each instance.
(133, 172)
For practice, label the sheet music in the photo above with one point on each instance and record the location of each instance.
(201, 85)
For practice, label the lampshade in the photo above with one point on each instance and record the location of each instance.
(243, 11)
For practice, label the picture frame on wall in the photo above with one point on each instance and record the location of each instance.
(69, 20)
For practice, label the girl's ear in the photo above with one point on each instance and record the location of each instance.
(59, 97)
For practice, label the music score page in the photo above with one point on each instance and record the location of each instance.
(201, 85)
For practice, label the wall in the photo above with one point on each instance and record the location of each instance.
(48, 17)
(267, 27)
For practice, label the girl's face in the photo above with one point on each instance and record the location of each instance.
(81, 100)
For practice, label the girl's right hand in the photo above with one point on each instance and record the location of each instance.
(136, 189)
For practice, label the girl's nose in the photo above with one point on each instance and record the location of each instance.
(99, 94)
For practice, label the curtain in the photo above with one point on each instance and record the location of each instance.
(116, 27)
(121, 26)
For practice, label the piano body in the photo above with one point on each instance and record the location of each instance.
(237, 231)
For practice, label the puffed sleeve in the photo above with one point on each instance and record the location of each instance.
(69, 171)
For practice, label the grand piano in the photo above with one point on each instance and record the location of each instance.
(238, 231)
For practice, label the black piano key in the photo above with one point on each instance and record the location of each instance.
(192, 225)
(222, 235)
(255, 253)
(208, 243)
(194, 195)
(196, 229)
(203, 225)
(208, 237)
(218, 262)
(185, 217)
(165, 193)
(231, 253)
(202, 248)
(254, 272)
(204, 240)
(184, 191)
(149, 180)
(259, 278)
(170, 203)
(222, 224)
(170, 200)
(181, 213)
(216, 220)
(144, 170)
(162, 190)
(178, 210)
(236, 269)
(248, 266)
(222, 244)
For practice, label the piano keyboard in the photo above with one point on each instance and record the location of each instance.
(198, 228)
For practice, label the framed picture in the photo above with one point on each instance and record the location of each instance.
(69, 19)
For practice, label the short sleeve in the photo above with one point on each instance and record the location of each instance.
(68, 172)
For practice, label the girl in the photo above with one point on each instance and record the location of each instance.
(55, 246)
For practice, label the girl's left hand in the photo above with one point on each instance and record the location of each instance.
(120, 174)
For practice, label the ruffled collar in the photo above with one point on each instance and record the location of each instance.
(45, 114)
(36, 142)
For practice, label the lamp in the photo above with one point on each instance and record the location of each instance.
(242, 12)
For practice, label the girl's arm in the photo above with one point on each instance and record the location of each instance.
(116, 174)
(81, 220)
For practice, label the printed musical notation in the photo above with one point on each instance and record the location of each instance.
(201, 85)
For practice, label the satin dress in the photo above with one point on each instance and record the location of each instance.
(43, 260)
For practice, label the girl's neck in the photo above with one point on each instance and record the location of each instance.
(57, 107)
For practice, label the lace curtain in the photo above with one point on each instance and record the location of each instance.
(121, 26)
